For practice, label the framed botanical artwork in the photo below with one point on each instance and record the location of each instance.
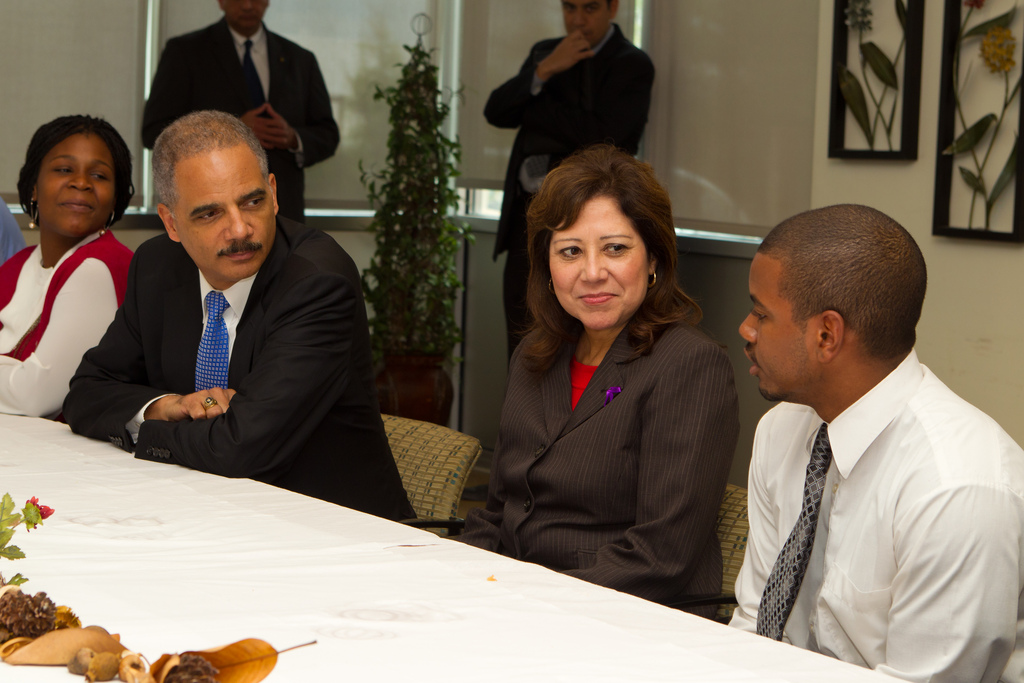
(977, 174)
(876, 79)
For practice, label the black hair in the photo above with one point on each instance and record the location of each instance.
(53, 133)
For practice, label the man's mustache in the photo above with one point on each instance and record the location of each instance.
(240, 247)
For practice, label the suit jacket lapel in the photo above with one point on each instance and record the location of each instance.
(610, 373)
(252, 317)
(183, 327)
(556, 393)
(600, 62)
(278, 63)
(227, 58)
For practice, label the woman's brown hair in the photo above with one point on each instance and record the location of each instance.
(602, 171)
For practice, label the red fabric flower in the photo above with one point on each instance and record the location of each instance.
(46, 511)
(976, 4)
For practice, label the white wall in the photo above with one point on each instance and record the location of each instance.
(971, 333)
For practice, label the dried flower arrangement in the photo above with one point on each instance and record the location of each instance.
(35, 631)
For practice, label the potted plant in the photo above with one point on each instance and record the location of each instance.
(411, 283)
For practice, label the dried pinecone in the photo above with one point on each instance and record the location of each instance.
(192, 669)
(25, 616)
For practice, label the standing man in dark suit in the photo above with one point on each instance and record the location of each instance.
(242, 347)
(272, 84)
(591, 86)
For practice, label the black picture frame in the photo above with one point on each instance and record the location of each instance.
(945, 162)
(910, 90)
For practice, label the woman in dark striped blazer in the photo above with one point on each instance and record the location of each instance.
(620, 417)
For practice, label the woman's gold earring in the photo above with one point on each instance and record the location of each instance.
(33, 215)
(551, 286)
(652, 280)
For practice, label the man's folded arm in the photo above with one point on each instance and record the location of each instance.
(508, 102)
(110, 385)
(301, 371)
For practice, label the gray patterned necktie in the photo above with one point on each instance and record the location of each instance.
(788, 573)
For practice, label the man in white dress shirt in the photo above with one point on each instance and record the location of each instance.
(916, 565)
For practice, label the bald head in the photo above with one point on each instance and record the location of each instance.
(858, 262)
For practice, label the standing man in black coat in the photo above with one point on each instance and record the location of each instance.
(272, 84)
(242, 347)
(591, 86)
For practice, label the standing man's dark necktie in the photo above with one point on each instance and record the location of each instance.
(788, 573)
(252, 79)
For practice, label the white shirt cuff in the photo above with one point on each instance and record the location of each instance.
(135, 424)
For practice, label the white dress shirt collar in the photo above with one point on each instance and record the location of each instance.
(237, 296)
(607, 37)
(858, 426)
(258, 39)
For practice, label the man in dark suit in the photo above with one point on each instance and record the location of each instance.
(294, 404)
(272, 84)
(591, 86)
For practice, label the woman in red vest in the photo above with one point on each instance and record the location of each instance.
(57, 299)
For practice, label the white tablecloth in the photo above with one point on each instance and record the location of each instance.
(174, 560)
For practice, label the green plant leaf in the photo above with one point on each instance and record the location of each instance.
(17, 580)
(32, 516)
(6, 506)
(972, 136)
(973, 181)
(901, 14)
(849, 86)
(411, 283)
(880, 64)
(12, 552)
(1003, 20)
(1003, 181)
(5, 536)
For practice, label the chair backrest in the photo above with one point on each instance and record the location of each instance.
(434, 462)
(733, 527)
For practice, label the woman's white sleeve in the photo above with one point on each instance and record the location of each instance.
(82, 310)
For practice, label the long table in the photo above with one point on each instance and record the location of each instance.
(173, 559)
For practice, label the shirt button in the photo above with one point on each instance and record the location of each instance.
(527, 504)
(835, 487)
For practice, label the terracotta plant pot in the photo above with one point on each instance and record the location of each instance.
(416, 387)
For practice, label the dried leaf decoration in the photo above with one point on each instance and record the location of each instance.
(66, 618)
(57, 648)
(12, 644)
(247, 661)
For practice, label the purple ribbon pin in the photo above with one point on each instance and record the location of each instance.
(611, 393)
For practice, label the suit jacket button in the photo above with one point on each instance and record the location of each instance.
(539, 452)
(527, 504)
(151, 452)
(116, 440)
